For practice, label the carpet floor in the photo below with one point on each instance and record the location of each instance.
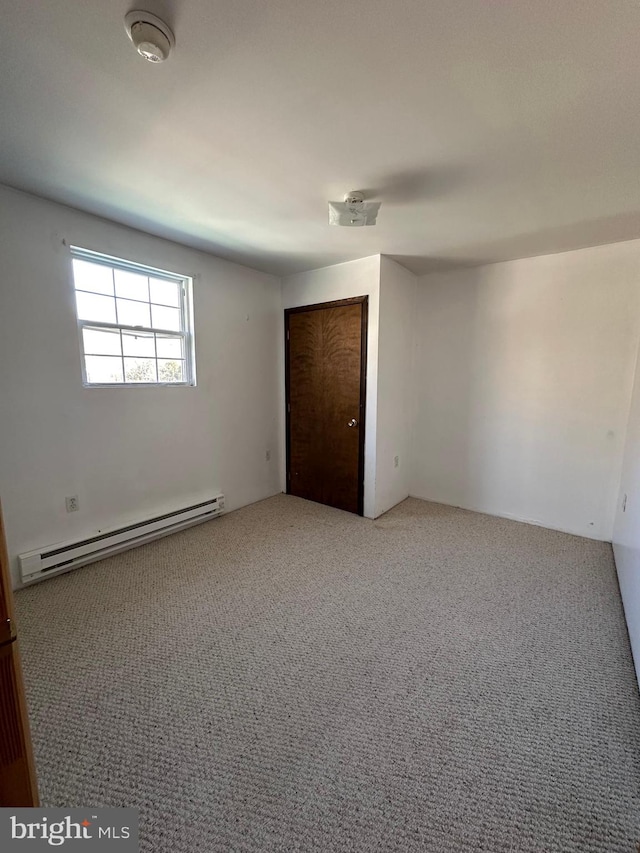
(290, 677)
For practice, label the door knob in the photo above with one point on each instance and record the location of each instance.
(353, 422)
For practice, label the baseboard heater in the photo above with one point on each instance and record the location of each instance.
(54, 559)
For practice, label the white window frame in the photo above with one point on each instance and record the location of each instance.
(185, 283)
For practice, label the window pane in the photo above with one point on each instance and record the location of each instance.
(120, 308)
(103, 369)
(169, 347)
(170, 370)
(133, 313)
(140, 370)
(138, 343)
(98, 342)
(100, 308)
(164, 292)
(166, 318)
(131, 285)
(94, 277)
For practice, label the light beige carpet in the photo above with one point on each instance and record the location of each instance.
(294, 678)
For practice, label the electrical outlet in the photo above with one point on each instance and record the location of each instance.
(72, 503)
(267, 456)
(396, 461)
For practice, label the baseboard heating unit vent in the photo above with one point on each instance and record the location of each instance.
(36, 565)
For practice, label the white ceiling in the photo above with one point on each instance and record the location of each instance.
(489, 129)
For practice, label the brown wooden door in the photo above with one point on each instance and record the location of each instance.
(325, 379)
(17, 771)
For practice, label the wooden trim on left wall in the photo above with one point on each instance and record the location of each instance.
(18, 784)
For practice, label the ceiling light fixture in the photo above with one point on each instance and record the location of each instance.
(151, 37)
(354, 211)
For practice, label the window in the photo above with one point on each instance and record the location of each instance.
(134, 322)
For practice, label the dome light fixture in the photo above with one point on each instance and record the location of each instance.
(354, 211)
(151, 37)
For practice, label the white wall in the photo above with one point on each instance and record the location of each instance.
(395, 384)
(626, 532)
(355, 278)
(523, 372)
(126, 451)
